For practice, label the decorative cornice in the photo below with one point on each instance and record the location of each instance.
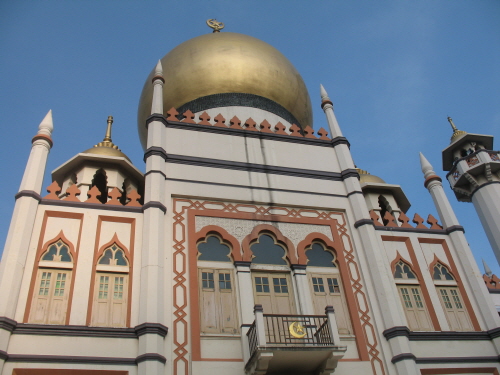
(299, 267)
(325, 102)
(7, 324)
(157, 77)
(403, 357)
(3, 355)
(431, 178)
(242, 263)
(436, 360)
(74, 331)
(254, 167)
(151, 328)
(44, 138)
(151, 357)
(247, 133)
(362, 222)
(414, 230)
(154, 204)
(454, 228)
(28, 193)
(402, 331)
(97, 206)
(482, 186)
(155, 151)
(152, 171)
(354, 192)
(346, 173)
(70, 359)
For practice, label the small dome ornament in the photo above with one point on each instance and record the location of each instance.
(107, 147)
(456, 133)
(217, 26)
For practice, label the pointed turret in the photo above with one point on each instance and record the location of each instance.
(327, 106)
(46, 126)
(487, 270)
(158, 81)
(427, 168)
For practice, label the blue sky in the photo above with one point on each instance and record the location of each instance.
(394, 70)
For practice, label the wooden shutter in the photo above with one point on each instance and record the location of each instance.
(50, 298)
(414, 307)
(453, 305)
(274, 292)
(327, 290)
(109, 307)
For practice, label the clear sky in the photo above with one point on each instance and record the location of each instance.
(394, 70)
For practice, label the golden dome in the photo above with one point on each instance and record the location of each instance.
(365, 177)
(223, 63)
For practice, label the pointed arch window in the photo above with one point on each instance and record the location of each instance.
(451, 299)
(51, 293)
(217, 296)
(326, 284)
(111, 288)
(411, 297)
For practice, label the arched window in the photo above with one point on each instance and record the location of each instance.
(411, 297)
(52, 287)
(326, 285)
(110, 298)
(217, 297)
(267, 251)
(451, 300)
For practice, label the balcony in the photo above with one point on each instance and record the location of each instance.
(293, 344)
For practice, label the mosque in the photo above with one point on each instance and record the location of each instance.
(247, 243)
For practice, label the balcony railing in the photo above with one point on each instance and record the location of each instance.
(296, 335)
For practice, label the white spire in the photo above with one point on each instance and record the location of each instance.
(157, 104)
(46, 126)
(323, 93)
(487, 269)
(159, 69)
(427, 169)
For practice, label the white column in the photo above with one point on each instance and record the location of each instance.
(18, 239)
(245, 289)
(303, 290)
(486, 201)
(378, 273)
(151, 303)
(450, 222)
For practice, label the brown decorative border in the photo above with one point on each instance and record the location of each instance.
(416, 269)
(184, 213)
(454, 271)
(43, 247)
(233, 243)
(263, 228)
(97, 253)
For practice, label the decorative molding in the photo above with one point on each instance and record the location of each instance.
(431, 178)
(362, 222)
(96, 206)
(241, 263)
(396, 332)
(414, 230)
(454, 228)
(7, 324)
(76, 331)
(346, 173)
(70, 359)
(403, 357)
(340, 141)
(28, 193)
(402, 331)
(155, 171)
(44, 138)
(354, 192)
(151, 328)
(298, 267)
(481, 186)
(155, 151)
(436, 360)
(154, 204)
(151, 357)
(3, 355)
(254, 187)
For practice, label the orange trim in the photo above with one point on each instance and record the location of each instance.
(254, 236)
(458, 279)
(460, 370)
(229, 240)
(396, 261)
(42, 248)
(361, 341)
(344, 274)
(435, 261)
(416, 268)
(98, 252)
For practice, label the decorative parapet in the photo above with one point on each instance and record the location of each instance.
(389, 221)
(188, 117)
(492, 283)
(72, 194)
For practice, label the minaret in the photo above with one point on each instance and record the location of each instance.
(151, 308)
(474, 176)
(21, 226)
(460, 244)
(380, 274)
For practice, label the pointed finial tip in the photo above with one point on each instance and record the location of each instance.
(427, 168)
(159, 69)
(487, 269)
(46, 126)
